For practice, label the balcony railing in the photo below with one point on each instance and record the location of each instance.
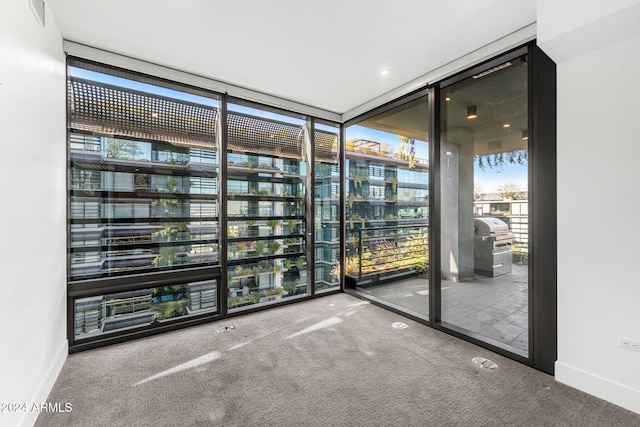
(382, 250)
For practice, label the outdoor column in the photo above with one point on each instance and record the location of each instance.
(457, 204)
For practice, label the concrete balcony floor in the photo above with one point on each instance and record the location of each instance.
(495, 308)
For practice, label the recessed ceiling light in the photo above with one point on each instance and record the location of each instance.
(506, 125)
(384, 72)
(447, 99)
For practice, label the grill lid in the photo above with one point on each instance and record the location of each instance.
(487, 226)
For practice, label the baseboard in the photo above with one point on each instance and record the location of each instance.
(45, 386)
(595, 385)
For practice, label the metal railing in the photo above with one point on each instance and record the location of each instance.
(391, 249)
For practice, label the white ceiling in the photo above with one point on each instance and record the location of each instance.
(327, 54)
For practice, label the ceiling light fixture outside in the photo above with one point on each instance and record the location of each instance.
(472, 112)
(506, 125)
(525, 135)
(492, 70)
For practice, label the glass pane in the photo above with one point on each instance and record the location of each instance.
(327, 207)
(125, 310)
(387, 192)
(484, 175)
(265, 208)
(147, 199)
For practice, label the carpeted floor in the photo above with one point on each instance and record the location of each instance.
(332, 361)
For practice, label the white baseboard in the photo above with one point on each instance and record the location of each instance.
(45, 386)
(618, 394)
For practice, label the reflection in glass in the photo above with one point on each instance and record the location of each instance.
(265, 208)
(124, 310)
(146, 199)
(484, 214)
(327, 207)
(387, 192)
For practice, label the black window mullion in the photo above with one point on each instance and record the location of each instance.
(309, 205)
(435, 284)
(342, 208)
(223, 219)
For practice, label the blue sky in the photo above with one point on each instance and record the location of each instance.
(490, 178)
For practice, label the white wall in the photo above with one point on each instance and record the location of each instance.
(562, 18)
(33, 343)
(598, 192)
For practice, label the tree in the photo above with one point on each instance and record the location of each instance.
(509, 190)
(169, 204)
(477, 189)
(407, 150)
(171, 184)
(499, 160)
(122, 149)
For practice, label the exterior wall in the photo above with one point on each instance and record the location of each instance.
(598, 151)
(33, 214)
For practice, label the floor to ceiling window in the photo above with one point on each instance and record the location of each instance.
(327, 206)
(484, 207)
(147, 160)
(266, 218)
(187, 206)
(143, 200)
(387, 193)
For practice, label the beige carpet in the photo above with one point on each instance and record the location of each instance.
(332, 361)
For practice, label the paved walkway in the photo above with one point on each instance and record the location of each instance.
(493, 307)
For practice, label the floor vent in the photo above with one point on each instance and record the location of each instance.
(484, 363)
(399, 325)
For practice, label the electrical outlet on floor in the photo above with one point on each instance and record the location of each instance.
(629, 344)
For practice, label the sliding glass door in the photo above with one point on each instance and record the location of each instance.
(387, 209)
(484, 205)
(472, 277)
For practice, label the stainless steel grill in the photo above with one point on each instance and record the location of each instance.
(492, 247)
